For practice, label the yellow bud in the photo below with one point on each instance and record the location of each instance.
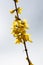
(19, 10)
(12, 11)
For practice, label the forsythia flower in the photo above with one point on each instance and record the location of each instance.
(19, 31)
(18, 41)
(19, 10)
(25, 23)
(19, 28)
(27, 37)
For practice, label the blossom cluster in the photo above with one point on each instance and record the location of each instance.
(19, 27)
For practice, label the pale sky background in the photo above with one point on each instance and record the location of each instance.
(14, 54)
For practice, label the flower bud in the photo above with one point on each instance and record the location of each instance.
(19, 10)
(12, 11)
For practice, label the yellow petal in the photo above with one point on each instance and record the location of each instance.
(19, 21)
(19, 10)
(15, 35)
(30, 40)
(15, 23)
(26, 37)
(17, 41)
(25, 23)
(12, 11)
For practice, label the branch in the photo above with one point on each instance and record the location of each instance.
(26, 53)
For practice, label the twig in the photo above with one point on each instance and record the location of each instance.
(26, 53)
(16, 9)
(24, 41)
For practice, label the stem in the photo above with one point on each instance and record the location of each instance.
(16, 9)
(26, 53)
(24, 41)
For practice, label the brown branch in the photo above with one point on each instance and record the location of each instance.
(26, 53)
(16, 9)
(24, 41)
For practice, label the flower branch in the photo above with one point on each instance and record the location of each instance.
(19, 28)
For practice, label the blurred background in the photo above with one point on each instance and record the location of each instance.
(14, 54)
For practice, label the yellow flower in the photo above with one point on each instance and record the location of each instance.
(19, 10)
(19, 31)
(12, 11)
(25, 24)
(15, 35)
(19, 21)
(30, 40)
(18, 41)
(15, 24)
(26, 37)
